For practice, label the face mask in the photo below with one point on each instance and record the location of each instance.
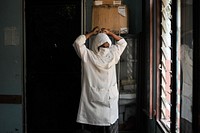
(104, 51)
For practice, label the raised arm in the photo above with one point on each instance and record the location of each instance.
(93, 32)
(108, 32)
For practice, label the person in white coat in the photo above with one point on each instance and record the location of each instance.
(98, 107)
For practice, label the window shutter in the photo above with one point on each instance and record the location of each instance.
(165, 64)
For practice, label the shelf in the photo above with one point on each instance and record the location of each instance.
(127, 96)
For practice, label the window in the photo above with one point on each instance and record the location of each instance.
(168, 73)
(165, 64)
(186, 66)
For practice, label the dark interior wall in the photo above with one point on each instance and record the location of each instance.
(11, 66)
(135, 15)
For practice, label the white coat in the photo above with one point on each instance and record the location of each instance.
(99, 96)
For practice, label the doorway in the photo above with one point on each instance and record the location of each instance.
(52, 66)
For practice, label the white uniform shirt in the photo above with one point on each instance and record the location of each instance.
(99, 96)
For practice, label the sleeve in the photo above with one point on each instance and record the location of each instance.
(118, 48)
(79, 45)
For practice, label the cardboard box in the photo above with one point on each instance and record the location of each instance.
(109, 2)
(114, 18)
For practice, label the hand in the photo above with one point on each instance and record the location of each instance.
(107, 31)
(95, 30)
(110, 33)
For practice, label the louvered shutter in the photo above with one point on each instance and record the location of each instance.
(165, 64)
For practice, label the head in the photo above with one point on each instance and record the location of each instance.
(101, 40)
(104, 45)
